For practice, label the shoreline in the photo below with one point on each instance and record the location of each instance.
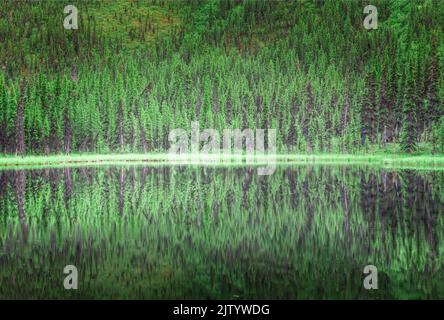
(386, 160)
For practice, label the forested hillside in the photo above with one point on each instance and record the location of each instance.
(134, 70)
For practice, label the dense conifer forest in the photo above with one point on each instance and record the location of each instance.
(135, 70)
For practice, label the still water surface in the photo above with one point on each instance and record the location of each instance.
(199, 233)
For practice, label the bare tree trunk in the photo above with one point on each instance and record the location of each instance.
(345, 118)
(68, 185)
(120, 126)
(347, 223)
(20, 183)
(19, 122)
(67, 133)
(121, 191)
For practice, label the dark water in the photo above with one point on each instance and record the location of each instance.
(181, 232)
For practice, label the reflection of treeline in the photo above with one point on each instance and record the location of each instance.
(180, 232)
(306, 68)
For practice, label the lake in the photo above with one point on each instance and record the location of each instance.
(176, 232)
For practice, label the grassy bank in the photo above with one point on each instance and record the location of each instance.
(394, 160)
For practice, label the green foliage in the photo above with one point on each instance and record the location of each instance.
(306, 68)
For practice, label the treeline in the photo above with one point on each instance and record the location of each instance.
(306, 68)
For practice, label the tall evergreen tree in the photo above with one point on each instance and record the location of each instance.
(409, 129)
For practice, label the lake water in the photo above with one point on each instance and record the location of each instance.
(215, 232)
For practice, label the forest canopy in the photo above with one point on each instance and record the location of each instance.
(135, 70)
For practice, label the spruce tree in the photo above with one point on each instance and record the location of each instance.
(408, 131)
